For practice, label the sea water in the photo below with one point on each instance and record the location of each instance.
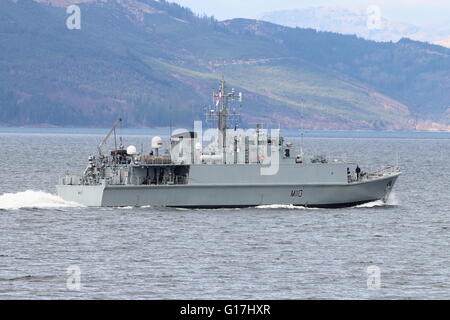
(267, 252)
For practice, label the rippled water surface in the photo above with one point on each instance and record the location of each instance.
(270, 252)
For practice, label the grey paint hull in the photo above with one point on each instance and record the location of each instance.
(229, 195)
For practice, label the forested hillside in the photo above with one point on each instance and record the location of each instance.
(154, 62)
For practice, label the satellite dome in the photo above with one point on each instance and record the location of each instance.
(131, 150)
(156, 142)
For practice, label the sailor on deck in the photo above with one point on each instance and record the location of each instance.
(358, 172)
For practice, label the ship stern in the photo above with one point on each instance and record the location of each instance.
(90, 196)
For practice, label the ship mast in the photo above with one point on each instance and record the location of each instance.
(223, 112)
(222, 124)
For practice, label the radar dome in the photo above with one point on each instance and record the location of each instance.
(156, 142)
(131, 150)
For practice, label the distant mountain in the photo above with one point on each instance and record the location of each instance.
(154, 63)
(445, 42)
(354, 21)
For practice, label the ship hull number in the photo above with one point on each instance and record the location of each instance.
(298, 193)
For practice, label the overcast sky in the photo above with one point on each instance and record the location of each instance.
(418, 12)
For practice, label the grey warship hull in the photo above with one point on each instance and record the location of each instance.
(333, 190)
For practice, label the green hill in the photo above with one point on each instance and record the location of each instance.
(154, 62)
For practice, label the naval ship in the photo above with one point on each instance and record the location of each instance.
(236, 168)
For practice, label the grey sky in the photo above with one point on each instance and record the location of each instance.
(418, 12)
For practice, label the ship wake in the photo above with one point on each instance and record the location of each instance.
(33, 199)
(283, 206)
(391, 202)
